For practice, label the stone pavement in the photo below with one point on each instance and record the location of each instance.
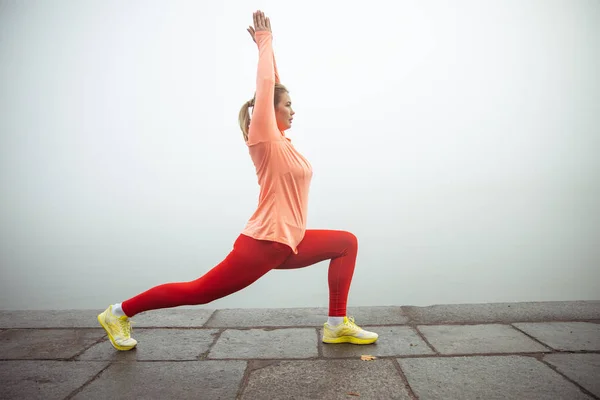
(530, 351)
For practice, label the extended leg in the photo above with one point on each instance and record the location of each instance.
(249, 260)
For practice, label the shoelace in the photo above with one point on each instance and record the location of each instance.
(126, 327)
(352, 325)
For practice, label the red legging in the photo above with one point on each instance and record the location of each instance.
(249, 260)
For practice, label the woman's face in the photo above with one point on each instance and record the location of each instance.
(284, 113)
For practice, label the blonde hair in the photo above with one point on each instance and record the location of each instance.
(244, 115)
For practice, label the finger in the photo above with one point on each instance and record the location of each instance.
(255, 19)
(259, 20)
(252, 34)
(262, 20)
(268, 24)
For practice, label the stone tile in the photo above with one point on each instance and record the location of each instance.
(167, 380)
(157, 344)
(263, 343)
(572, 336)
(325, 379)
(49, 319)
(581, 368)
(310, 317)
(175, 318)
(393, 341)
(486, 377)
(504, 312)
(45, 380)
(46, 343)
(472, 339)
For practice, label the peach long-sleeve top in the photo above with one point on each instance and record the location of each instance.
(284, 175)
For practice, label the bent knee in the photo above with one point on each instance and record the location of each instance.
(350, 239)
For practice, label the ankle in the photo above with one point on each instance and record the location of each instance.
(118, 310)
(334, 321)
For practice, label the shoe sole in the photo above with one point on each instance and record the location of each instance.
(349, 339)
(112, 340)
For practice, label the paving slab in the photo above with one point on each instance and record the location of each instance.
(157, 344)
(326, 379)
(486, 377)
(312, 317)
(266, 343)
(476, 339)
(45, 380)
(23, 344)
(581, 368)
(393, 341)
(173, 318)
(167, 380)
(505, 312)
(571, 336)
(49, 319)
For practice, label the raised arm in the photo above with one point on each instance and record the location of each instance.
(253, 35)
(263, 126)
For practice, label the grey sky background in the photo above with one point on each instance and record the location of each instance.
(459, 142)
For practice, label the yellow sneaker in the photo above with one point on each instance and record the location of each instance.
(347, 332)
(118, 330)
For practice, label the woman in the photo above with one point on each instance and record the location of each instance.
(275, 237)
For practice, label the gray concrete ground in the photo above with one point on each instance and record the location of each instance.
(531, 351)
